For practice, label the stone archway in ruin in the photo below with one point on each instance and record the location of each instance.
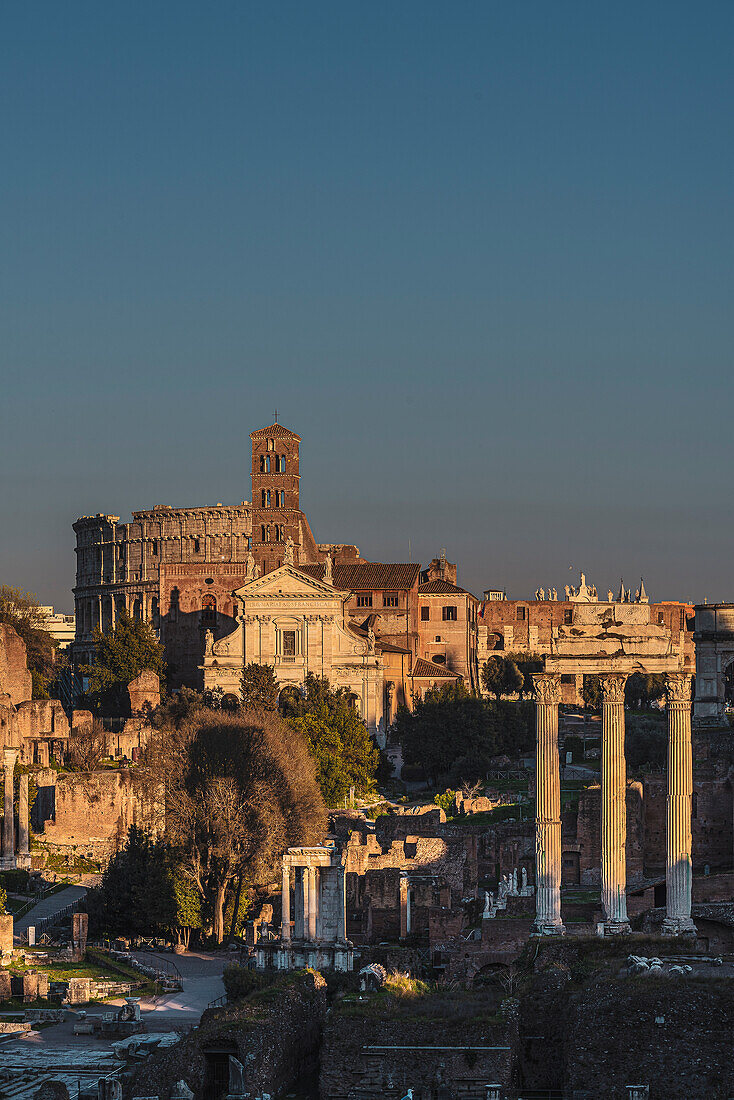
(612, 641)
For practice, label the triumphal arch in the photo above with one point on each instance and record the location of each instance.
(613, 640)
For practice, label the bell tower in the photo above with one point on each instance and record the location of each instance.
(276, 512)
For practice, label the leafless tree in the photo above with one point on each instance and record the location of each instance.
(87, 746)
(240, 789)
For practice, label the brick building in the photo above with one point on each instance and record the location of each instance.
(179, 569)
(528, 626)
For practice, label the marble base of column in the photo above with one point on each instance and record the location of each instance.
(679, 926)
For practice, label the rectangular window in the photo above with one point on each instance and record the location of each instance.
(197, 546)
(568, 616)
(449, 614)
(661, 618)
(364, 601)
(289, 643)
(425, 613)
(155, 548)
(390, 599)
(520, 614)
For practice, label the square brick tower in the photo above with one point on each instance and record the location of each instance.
(276, 513)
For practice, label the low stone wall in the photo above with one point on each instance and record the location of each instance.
(366, 1056)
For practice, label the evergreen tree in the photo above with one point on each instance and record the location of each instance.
(343, 751)
(259, 687)
(120, 656)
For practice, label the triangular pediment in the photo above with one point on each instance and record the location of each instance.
(288, 580)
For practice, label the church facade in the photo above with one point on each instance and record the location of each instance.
(299, 625)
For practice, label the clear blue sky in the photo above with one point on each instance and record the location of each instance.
(478, 255)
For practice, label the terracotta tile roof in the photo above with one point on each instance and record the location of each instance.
(371, 576)
(427, 670)
(275, 430)
(437, 586)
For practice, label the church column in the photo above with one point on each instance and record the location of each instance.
(548, 811)
(9, 757)
(678, 869)
(285, 926)
(613, 806)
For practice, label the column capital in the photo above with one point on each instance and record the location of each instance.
(612, 686)
(678, 688)
(547, 687)
(9, 758)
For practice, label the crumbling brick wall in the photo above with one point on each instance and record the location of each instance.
(588, 834)
(94, 810)
(15, 679)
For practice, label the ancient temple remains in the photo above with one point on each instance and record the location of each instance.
(313, 929)
(614, 640)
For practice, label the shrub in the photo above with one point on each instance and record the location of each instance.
(240, 982)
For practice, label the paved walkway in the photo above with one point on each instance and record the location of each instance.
(49, 907)
(202, 982)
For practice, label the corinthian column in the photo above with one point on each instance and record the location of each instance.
(8, 860)
(548, 806)
(678, 869)
(613, 805)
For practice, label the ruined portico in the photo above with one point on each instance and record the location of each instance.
(313, 929)
(614, 640)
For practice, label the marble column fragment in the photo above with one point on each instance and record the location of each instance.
(548, 811)
(613, 806)
(678, 867)
(9, 758)
(285, 925)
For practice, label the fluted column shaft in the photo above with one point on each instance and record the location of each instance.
(678, 867)
(341, 913)
(613, 805)
(312, 902)
(548, 805)
(9, 757)
(285, 904)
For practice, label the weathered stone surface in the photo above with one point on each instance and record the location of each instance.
(144, 691)
(15, 679)
(6, 933)
(6, 990)
(52, 1090)
(30, 986)
(79, 931)
(79, 991)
